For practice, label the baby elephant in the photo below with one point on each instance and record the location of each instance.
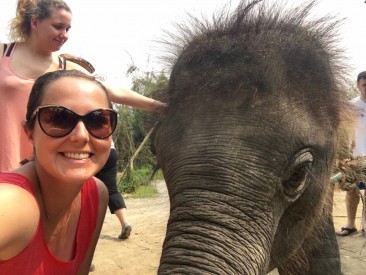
(249, 142)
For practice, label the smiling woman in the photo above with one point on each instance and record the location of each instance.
(39, 29)
(64, 202)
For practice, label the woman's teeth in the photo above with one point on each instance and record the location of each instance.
(77, 155)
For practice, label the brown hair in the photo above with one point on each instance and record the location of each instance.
(26, 9)
(39, 86)
(361, 75)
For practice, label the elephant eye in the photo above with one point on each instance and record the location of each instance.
(296, 174)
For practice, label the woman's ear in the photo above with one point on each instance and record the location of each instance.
(34, 22)
(28, 132)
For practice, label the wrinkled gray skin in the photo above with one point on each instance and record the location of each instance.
(248, 144)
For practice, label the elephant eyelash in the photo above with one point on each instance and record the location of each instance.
(297, 173)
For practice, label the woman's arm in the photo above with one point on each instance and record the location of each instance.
(125, 96)
(133, 99)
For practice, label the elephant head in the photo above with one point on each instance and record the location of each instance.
(248, 144)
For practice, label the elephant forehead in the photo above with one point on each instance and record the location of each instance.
(264, 122)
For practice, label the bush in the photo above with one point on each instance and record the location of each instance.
(134, 179)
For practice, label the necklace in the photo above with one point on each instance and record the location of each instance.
(57, 226)
(48, 215)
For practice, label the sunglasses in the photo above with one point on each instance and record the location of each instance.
(57, 121)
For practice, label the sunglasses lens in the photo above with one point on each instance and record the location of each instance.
(101, 123)
(57, 121)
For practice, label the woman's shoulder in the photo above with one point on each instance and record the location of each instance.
(16, 188)
(2, 48)
(11, 194)
(6, 47)
(95, 189)
(19, 211)
(102, 189)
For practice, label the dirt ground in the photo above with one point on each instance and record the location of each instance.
(140, 254)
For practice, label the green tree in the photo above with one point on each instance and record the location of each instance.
(134, 124)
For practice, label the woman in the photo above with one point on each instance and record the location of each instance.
(40, 28)
(56, 227)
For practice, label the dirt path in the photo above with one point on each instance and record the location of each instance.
(140, 254)
(353, 247)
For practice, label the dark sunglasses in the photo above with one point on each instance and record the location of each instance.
(57, 121)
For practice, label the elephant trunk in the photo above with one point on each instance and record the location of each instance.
(209, 233)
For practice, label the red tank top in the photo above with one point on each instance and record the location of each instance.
(36, 259)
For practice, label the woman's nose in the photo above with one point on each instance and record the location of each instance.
(80, 133)
(64, 34)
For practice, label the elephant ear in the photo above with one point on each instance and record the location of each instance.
(78, 60)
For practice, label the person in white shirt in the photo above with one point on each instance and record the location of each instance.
(358, 149)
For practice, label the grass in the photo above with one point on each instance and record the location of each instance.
(145, 191)
(159, 175)
(137, 184)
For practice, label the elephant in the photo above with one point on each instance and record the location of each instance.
(249, 141)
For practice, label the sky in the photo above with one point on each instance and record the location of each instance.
(113, 34)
